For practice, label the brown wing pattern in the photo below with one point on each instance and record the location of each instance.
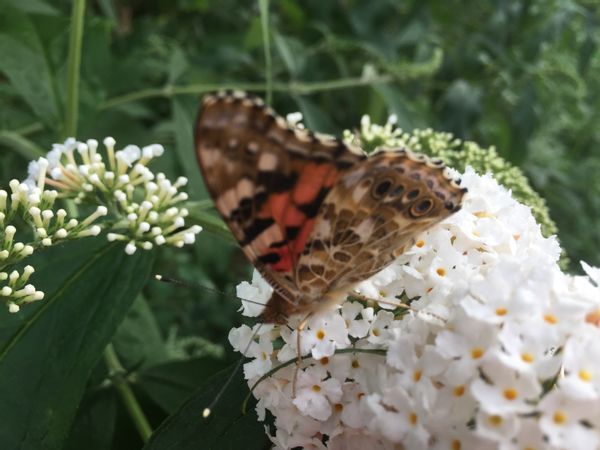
(371, 216)
(268, 180)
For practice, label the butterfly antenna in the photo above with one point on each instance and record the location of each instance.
(187, 284)
(208, 410)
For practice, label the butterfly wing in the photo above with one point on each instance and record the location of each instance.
(372, 214)
(268, 181)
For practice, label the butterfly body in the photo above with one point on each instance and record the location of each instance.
(313, 214)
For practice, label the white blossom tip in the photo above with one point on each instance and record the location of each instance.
(109, 141)
(130, 248)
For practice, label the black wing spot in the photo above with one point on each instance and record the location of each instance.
(421, 208)
(257, 227)
(291, 232)
(269, 258)
(312, 208)
(413, 194)
(382, 188)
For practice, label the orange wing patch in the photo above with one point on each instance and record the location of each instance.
(294, 212)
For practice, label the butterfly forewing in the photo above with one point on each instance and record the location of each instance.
(268, 180)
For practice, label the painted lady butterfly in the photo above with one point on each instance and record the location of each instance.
(313, 214)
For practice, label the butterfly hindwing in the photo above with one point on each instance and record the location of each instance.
(268, 179)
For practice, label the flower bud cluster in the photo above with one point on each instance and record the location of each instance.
(145, 206)
(34, 205)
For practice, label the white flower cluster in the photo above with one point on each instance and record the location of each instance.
(34, 205)
(144, 203)
(499, 349)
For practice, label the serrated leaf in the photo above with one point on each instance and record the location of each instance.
(48, 357)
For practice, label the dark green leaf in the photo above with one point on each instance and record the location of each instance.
(226, 428)
(94, 425)
(171, 383)
(25, 64)
(52, 351)
(138, 339)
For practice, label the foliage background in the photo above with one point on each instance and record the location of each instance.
(518, 74)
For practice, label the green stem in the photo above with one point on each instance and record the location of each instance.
(30, 129)
(116, 373)
(274, 370)
(73, 67)
(264, 22)
(293, 87)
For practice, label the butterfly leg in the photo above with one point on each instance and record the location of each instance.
(299, 330)
(364, 298)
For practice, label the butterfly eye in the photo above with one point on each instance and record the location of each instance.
(421, 207)
(381, 189)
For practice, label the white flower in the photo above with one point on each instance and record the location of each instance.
(316, 394)
(498, 348)
(502, 390)
(563, 421)
(258, 292)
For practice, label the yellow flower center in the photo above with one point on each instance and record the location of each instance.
(495, 420)
(316, 388)
(441, 272)
(459, 390)
(550, 318)
(527, 357)
(510, 394)
(320, 335)
(416, 375)
(477, 352)
(559, 417)
(585, 375)
(501, 311)
(420, 243)
(412, 418)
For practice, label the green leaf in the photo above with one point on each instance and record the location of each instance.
(94, 425)
(226, 428)
(171, 383)
(183, 127)
(34, 7)
(25, 64)
(45, 363)
(138, 339)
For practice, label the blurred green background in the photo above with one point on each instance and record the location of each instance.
(522, 75)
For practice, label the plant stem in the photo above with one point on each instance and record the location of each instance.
(116, 372)
(73, 67)
(264, 22)
(292, 87)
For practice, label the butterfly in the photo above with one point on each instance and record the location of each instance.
(315, 215)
